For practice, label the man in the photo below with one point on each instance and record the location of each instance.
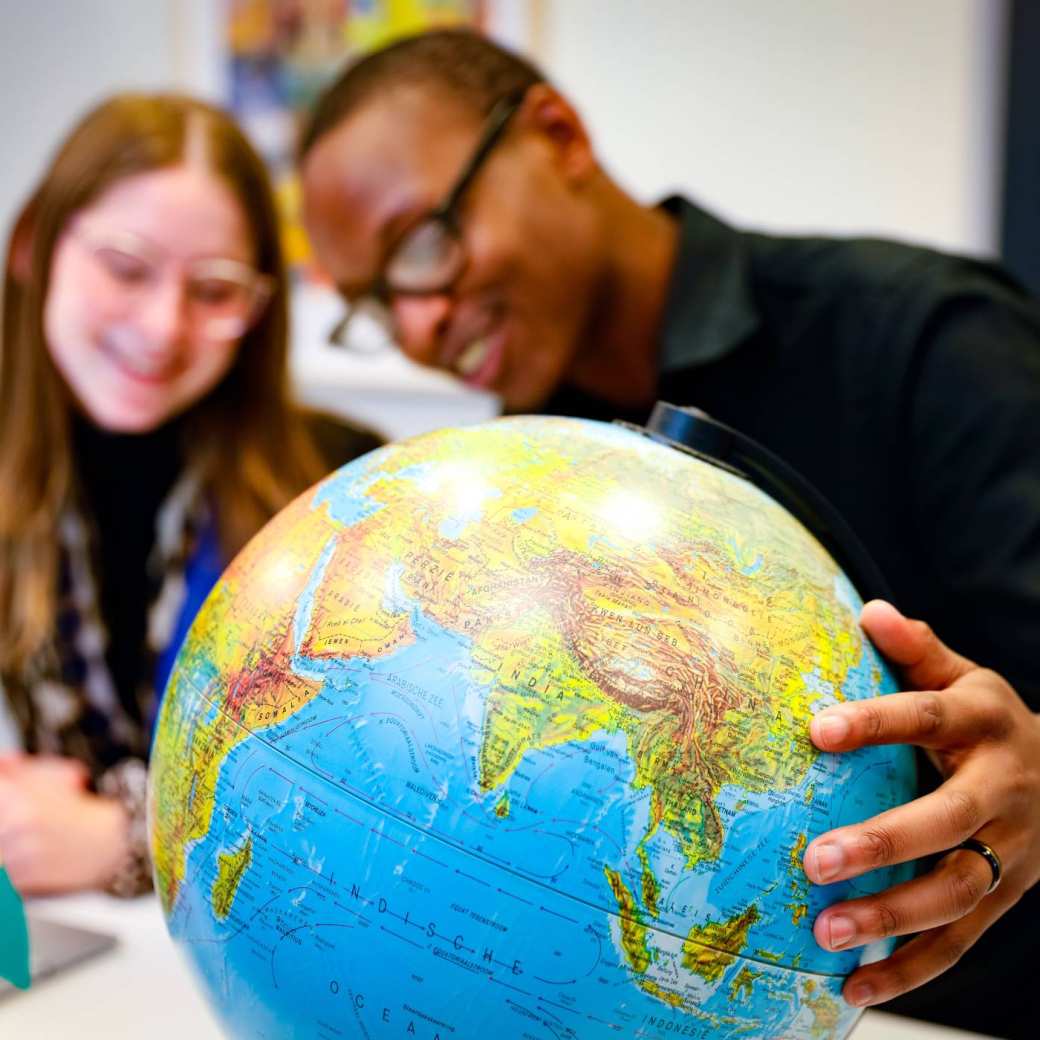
(446, 179)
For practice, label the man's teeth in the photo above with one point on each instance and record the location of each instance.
(470, 360)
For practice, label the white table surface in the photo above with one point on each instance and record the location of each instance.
(143, 988)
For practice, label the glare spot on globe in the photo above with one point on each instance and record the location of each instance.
(635, 518)
(276, 574)
(459, 489)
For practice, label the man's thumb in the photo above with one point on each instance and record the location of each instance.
(925, 660)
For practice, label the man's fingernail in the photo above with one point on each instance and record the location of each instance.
(860, 994)
(827, 862)
(831, 729)
(840, 931)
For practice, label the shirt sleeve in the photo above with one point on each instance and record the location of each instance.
(973, 446)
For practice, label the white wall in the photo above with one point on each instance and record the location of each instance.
(59, 57)
(843, 115)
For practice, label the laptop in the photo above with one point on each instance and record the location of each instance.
(53, 947)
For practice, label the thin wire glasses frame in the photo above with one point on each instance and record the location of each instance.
(429, 256)
(224, 296)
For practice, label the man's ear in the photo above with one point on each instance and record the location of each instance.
(20, 251)
(547, 112)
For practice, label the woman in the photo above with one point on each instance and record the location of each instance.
(145, 435)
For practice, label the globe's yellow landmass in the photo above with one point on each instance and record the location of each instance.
(231, 868)
(798, 883)
(705, 950)
(743, 983)
(651, 889)
(633, 932)
(826, 1010)
(245, 629)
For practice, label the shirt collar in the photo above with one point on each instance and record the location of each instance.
(709, 310)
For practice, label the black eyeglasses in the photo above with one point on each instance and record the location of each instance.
(430, 256)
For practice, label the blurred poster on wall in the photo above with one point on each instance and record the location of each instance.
(280, 55)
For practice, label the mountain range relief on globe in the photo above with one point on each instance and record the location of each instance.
(505, 729)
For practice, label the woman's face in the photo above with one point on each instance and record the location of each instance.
(151, 289)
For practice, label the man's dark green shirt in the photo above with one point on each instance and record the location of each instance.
(905, 385)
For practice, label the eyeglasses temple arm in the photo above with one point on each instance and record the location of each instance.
(498, 119)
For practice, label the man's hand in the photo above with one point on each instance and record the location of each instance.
(986, 743)
(55, 835)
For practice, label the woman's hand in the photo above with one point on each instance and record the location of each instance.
(55, 835)
(986, 743)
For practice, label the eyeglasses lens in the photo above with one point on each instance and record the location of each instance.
(367, 327)
(428, 259)
(221, 296)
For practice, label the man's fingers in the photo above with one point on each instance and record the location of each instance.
(959, 882)
(927, 718)
(923, 958)
(927, 662)
(939, 820)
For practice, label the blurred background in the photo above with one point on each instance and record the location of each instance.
(910, 120)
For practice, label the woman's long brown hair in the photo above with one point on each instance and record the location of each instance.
(254, 447)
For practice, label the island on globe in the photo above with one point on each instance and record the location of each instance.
(502, 732)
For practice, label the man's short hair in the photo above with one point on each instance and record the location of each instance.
(458, 61)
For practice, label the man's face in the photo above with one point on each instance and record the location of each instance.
(514, 320)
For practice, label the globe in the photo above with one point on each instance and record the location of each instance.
(502, 731)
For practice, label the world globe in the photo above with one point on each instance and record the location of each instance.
(502, 732)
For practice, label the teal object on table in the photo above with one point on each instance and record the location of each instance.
(503, 731)
(14, 935)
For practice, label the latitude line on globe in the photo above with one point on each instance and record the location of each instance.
(437, 836)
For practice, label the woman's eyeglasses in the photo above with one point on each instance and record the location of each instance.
(430, 256)
(223, 297)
